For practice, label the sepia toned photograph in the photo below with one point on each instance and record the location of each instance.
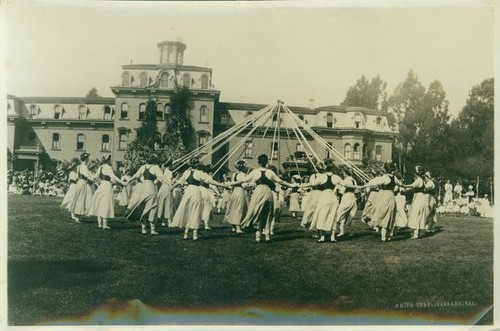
(236, 164)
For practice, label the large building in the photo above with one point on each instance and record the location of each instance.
(60, 128)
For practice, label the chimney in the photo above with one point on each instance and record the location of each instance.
(311, 103)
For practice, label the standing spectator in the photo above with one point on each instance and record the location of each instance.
(448, 192)
(457, 191)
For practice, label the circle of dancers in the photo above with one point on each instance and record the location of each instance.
(251, 199)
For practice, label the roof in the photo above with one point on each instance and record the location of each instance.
(165, 66)
(256, 107)
(76, 100)
(345, 109)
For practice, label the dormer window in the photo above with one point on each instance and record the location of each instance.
(379, 123)
(82, 112)
(142, 111)
(57, 112)
(204, 82)
(107, 113)
(203, 114)
(224, 118)
(33, 111)
(186, 81)
(357, 121)
(126, 79)
(164, 78)
(329, 121)
(143, 77)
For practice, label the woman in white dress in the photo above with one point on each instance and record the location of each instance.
(348, 205)
(311, 200)
(448, 192)
(208, 196)
(103, 202)
(165, 203)
(401, 217)
(371, 202)
(261, 207)
(144, 208)
(70, 194)
(294, 206)
(237, 205)
(189, 214)
(385, 204)
(84, 189)
(126, 192)
(323, 218)
(430, 191)
(417, 216)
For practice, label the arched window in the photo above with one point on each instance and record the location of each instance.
(249, 149)
(124, 111)
(329, 121)
(274, 150)
(57, 112)
(143, 77)
(204, 82)
(186, 80)
(203, 114)
(142, 111)
(125, 79)
(123, 140)
(167, 110)
(80, 142)
(328, 153)
(159, 111)
(82, 112)
(202, 139)
(107, 113)
(56, 141)
(165, 138)
(347, 151)
(224, 118)
(357, 121)
(33, 111)
(365, 150)
(379, 123)
(356, 151)
(275, 119)
(105, 143)
(378, 153)
(299, 147)
(164, 78)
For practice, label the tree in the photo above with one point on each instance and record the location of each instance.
(92, 94)
(147, 139)
(179, 133)
(369, 94)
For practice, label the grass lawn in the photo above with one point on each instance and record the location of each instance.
(60, 272)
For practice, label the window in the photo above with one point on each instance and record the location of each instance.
(365, 150)
(275, 119)
(224, 118)
(82, 112)
(249, 149)
(204, 82)
(123, 139)
(159, 111)
(356, 150)
(56, 141)
(142, 111)
(329, 121)
(107, 113)
(347, 151)
(357, 121)
(124, 111)
(378, 153)
(203, 114)
(105, 143)
(32, 139)
(274, 150)
(186, 80)
(80, 142)
(379, 123)
(164, 78)
(202, 139)
(126, 79)
(299, 147)
(33, 111)
(57, 112)
(328, 153)
(167, 111)
(248, 114)
(165, 138)
(143, 77)
(301, 118)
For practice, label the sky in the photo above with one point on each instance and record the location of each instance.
(259, 52)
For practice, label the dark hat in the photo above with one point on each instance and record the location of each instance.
(240, 164)
(194, 161)
(106, 159)
(84, 156)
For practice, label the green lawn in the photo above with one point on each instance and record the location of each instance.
(60, 272)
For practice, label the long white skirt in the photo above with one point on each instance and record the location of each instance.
(69, 197)
(260, 209)
(237, 207)
(326, 209)
(189, 213)
(208, 203)
(401, 217)
(103, 203)
(165, 202)
(83, 197)
(309, 206)
(417, 216)
(144, 208)
(347, 208)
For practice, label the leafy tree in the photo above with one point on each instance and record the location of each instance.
(179, 133)
(369, 94)
(146, 141)
(92, 93)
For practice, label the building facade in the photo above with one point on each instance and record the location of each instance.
(61, 128)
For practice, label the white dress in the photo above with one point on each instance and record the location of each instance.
(326, 207)
(84, 190)
(70, 195)
(103, 202)
(348, 205)
(189, 212)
